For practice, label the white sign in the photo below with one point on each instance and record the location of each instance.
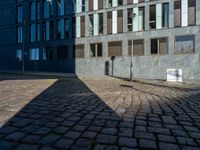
(174, 75)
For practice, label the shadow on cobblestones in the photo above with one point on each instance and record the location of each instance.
(69, 115)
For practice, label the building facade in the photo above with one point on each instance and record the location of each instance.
(81, 36)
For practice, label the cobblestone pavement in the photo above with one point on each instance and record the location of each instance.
(97, 113)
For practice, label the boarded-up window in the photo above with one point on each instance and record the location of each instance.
(119, 21)
(159, 46)
(62, 52)
(184, 44)
(177, 13)
(100, 4)
(129, 1)
(109, 26)
(90, 5)
(191, 12)
(114, 49)
(79, 51)
(138, 47)
(82, 26)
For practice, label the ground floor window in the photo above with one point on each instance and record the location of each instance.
(184, 44)
(62, 52)
(159, 46)
(19, 55)
(34, 54)
(78, 51)
(96, 50)
(115, 48)
(138, 47)
(47, 53)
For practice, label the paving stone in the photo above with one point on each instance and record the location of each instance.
(31, 138)
(106, 139)
(61, 129)
(47, 148)
(89, 134)
(7, 130)
(64, 143)
(167, 146)
(49, 139)
(147, 144)
(168, 120)
(127, 142)
(82, 144)
(105, 147)
(26, 147)
(6, 145)
(166, 138)
(110, 131)
(195, 135)
(158, 130)
(42, 131)
(145, 135)
(72, 134)
(16, 136)
(186, 141)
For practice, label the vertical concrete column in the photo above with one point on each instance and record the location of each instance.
(198, 12)
(78, 26)
(136, 18)
(147, 44)
(171, 44)
(171, 14)
(184, 13)
(146, 16)
(124, 47)
(124, 2)
(87, 26)
(158, 16)
(86, 5)
(105, 23)
(125, 20)
(87, 49)
(105, 48)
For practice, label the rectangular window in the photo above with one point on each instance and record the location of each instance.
(19, 34)
(33, 11)
(47, 53)
(165, 15)
(177, 13)
(130, 19)
(96, 50)
(138, 47)
(82, 26)
(184, 44)
(79, 51)
(61, 7)
(67, 28)
(91, 24)
(62, 52)
(38, 31)
(46, 8)
(34, 54)
(159, 46)
(100, 23)
(19, 55)
(33, 33)
(38, 13)
(191, 12)
(61, 28)
(109, 24)
(114, 49)
(19, 14)
(152, 21)
(119, 21)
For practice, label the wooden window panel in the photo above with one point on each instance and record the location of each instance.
(82, 26)
(79, 51)
(163, 46)
(177, 13)
(191, 12)
(109, 26)
(91, 2)
(129, 2)
(115, 49)
(138, 47)
(119, 21)
(100, 4)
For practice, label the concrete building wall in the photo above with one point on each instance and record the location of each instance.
(147, 66)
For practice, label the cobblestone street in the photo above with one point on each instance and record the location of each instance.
(97, 113)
